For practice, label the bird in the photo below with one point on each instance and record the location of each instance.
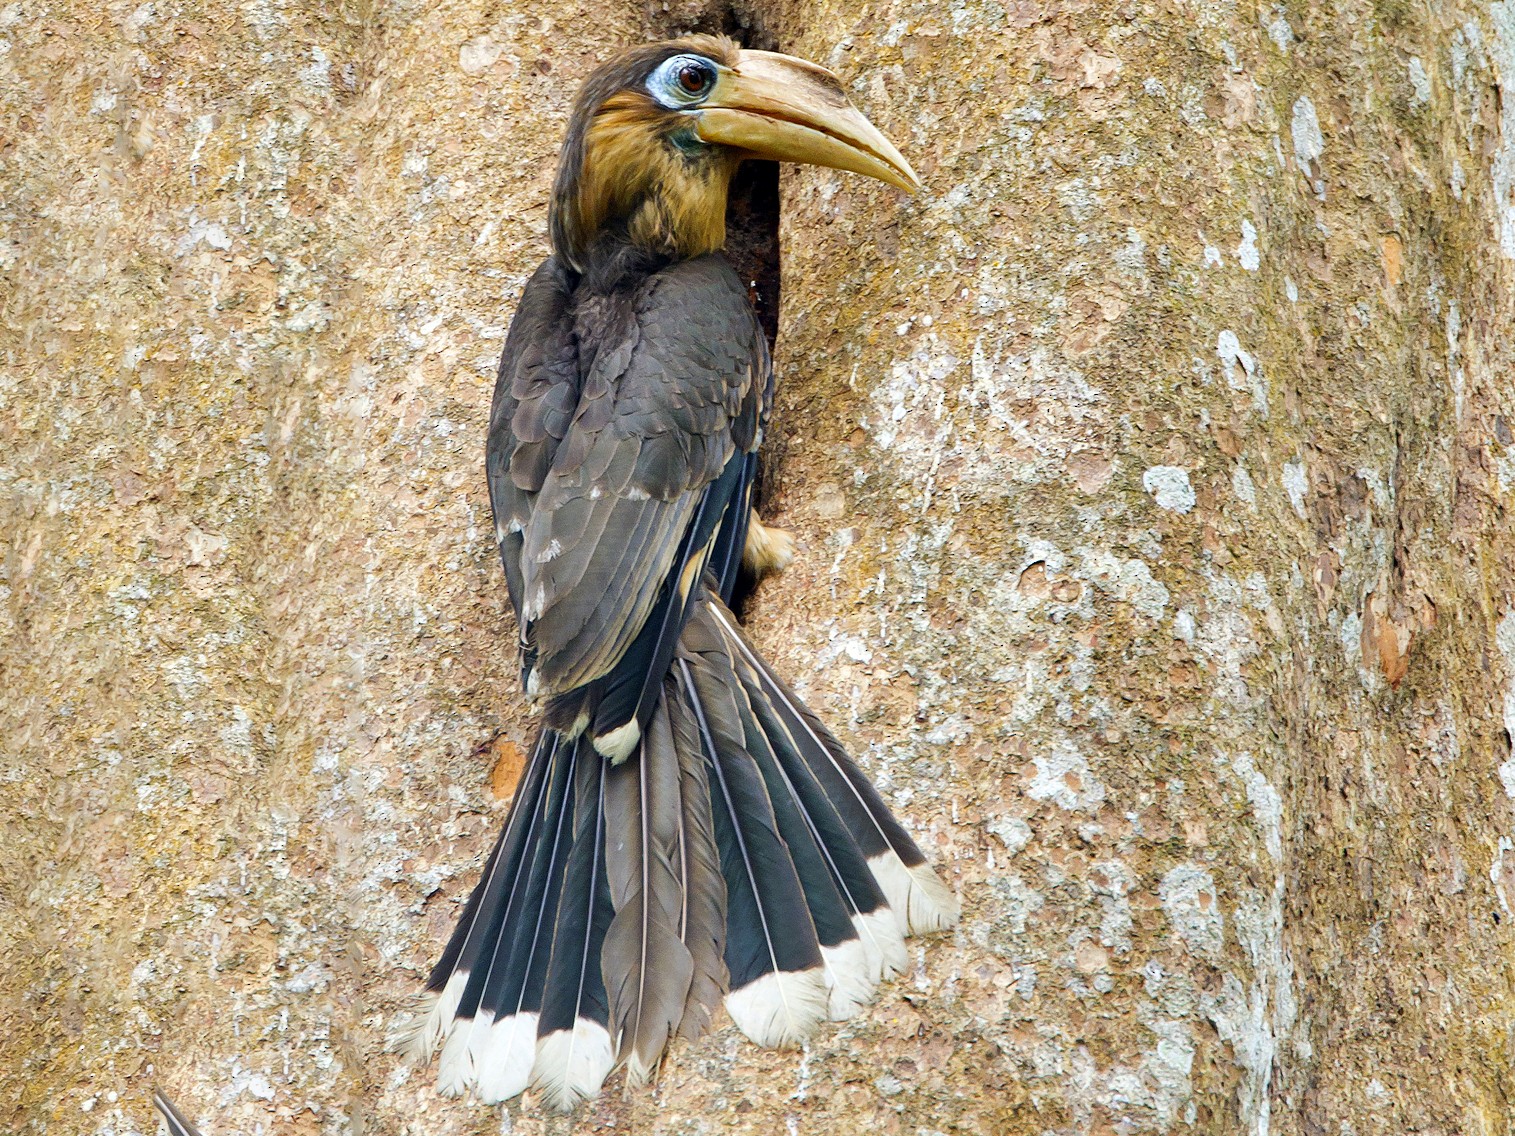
(686, 832)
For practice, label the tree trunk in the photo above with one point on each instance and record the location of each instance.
(1153, 474)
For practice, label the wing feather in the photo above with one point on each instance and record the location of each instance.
(537, 387)
(663, 410)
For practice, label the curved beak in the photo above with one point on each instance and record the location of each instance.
(783, 108)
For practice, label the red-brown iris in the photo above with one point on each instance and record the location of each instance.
(693, 78)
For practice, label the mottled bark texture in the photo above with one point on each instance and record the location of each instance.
(1153, 472)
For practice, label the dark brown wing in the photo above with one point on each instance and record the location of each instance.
(535, 396)
(672, 393)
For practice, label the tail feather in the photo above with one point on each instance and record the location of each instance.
(881, 937)
(648, 969)
(920, 901)
(499, 884)
(573, 1052)
(492, 1045)
(702, 919)
(849, 979)
(778, 989)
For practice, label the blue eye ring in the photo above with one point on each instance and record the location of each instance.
(682, 81)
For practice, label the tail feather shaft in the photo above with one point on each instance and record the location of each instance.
(174, 1119)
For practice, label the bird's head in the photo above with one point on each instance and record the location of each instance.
(657, 132)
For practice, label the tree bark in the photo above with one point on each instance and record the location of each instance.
(1153, 472)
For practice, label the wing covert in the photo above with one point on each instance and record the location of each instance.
(535, 396)
(674, 392)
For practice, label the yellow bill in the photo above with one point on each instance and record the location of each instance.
(789, 110)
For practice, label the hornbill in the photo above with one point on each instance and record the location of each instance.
(685, 828)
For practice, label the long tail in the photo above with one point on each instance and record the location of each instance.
(738, 852)
(824, 774)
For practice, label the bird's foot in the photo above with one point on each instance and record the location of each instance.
(767, 549)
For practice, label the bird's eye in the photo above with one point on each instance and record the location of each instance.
(682, 81)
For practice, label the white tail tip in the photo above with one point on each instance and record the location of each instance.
(417, 1038)
(571, 1065)
(850, 984)
(503, 1066)
(457, 1068)
(884, 943)
(920, 901)
(782, 1008)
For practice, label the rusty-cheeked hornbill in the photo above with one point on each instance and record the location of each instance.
(685, 827)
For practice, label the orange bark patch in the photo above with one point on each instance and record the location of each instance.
(508, 762)
(1393, 256)
(1385, 640)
